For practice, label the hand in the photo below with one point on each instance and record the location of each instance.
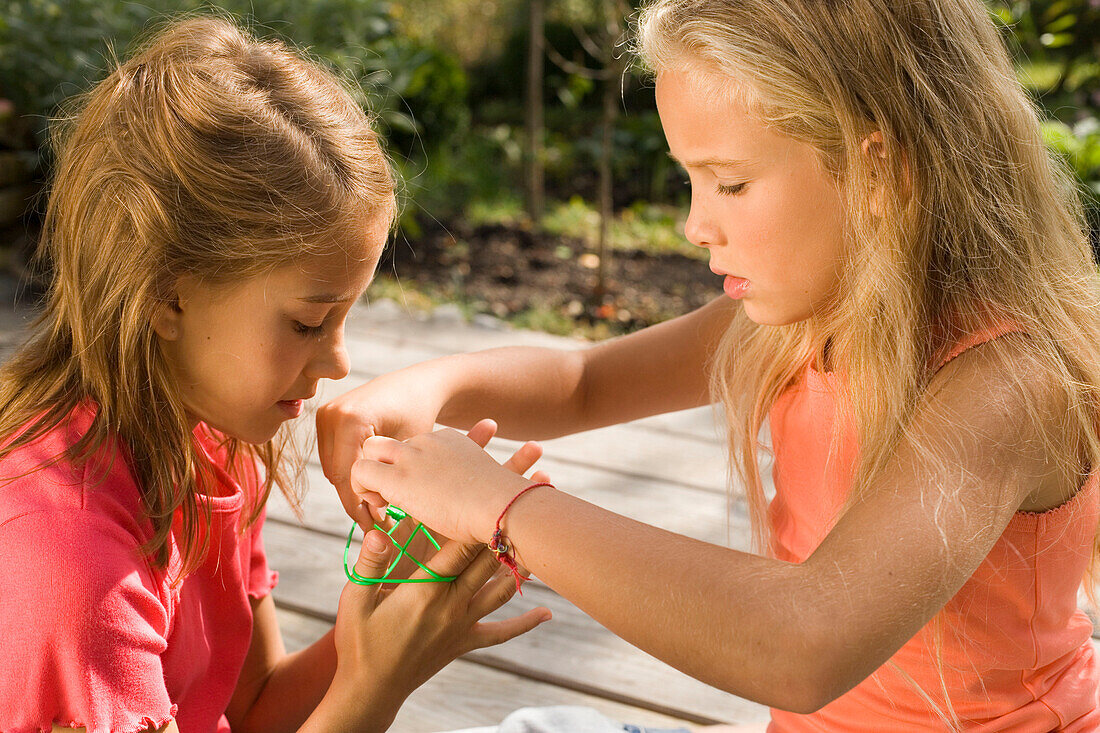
(388, 643)
(421, 547)
(443, 478)
(398, 405)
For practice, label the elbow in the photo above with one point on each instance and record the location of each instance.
(805, 692)
(809, 697)
(809, 688)
(809, 676)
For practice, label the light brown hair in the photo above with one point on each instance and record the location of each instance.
(210, 154)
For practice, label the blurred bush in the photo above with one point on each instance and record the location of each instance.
(52, 49)
(1057, 48)
(446, 78)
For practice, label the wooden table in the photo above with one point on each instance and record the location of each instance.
(668, 471)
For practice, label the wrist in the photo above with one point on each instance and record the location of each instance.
(502, 543)
(496, 511)
(353, 705)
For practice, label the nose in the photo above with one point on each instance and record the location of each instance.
(699, 228)
(331, 361)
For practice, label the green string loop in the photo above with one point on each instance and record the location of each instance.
(398, 515)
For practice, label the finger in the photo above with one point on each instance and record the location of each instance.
(492, 633)
(540, 477)
(380, 448)
(451, 560)
(524, 458)
(373, 561)
(369, 476)
(338, 449)
(482, 432)
(495, 593)
(478, 572)
(337, 455)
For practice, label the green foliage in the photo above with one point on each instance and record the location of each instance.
(51, 49)
(1057, 43)
(655, 229)
(1080, 146)
(447, 79)
(1057, 47)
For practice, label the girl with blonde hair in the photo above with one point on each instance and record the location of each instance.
(219, 204)
(911, 307)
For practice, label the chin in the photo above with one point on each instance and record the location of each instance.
(764, 316)
(254, 434)
(257, 437)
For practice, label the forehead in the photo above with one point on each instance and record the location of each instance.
(707, 115)
(345, 268)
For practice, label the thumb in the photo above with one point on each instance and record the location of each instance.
(373, 560)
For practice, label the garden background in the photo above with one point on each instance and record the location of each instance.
(535, 181)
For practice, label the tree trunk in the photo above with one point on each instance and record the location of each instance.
(607, 204)
(535, 189)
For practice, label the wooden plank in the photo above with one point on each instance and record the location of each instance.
(466, 694)
(571, 651)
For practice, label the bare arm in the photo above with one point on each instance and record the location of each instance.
(530, 392)
(791, 636)
(536, 394)
(278, 691)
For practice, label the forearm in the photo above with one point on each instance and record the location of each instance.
(532, 393)
(295, 687)
(543, 393)
(739, 622)
(300, 694)
(304, 693)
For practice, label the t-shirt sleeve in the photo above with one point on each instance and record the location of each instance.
(261, 578)
(83, 627)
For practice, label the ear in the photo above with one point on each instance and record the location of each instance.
(874, 150)
(167, 316)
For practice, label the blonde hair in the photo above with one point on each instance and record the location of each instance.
(978, 220)
(211, 154)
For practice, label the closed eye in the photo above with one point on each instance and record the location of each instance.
(303, 330)
(731, 190)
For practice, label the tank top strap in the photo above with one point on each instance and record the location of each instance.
(977, 338)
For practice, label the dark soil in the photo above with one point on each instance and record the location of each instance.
(511, 271)
(532, 279)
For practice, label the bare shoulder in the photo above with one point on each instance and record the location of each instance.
(1015, 397)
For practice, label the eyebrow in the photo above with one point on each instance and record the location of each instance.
(326, 298)
(711, 162)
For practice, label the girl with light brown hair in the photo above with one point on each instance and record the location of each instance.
(219, 204)
(911, 308)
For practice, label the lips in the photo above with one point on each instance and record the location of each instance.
(735, 287)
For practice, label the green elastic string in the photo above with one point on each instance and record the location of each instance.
(398, 514)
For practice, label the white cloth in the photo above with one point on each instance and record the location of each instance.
(559, 719)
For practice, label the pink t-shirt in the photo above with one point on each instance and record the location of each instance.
(1015, 647)
(93, 634)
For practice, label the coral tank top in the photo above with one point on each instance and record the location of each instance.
(1015, 647)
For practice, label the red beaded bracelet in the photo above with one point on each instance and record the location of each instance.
(498, 544)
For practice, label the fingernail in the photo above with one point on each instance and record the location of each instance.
(375, 543)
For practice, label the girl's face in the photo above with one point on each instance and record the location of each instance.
(761, 203)
(247, 355)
